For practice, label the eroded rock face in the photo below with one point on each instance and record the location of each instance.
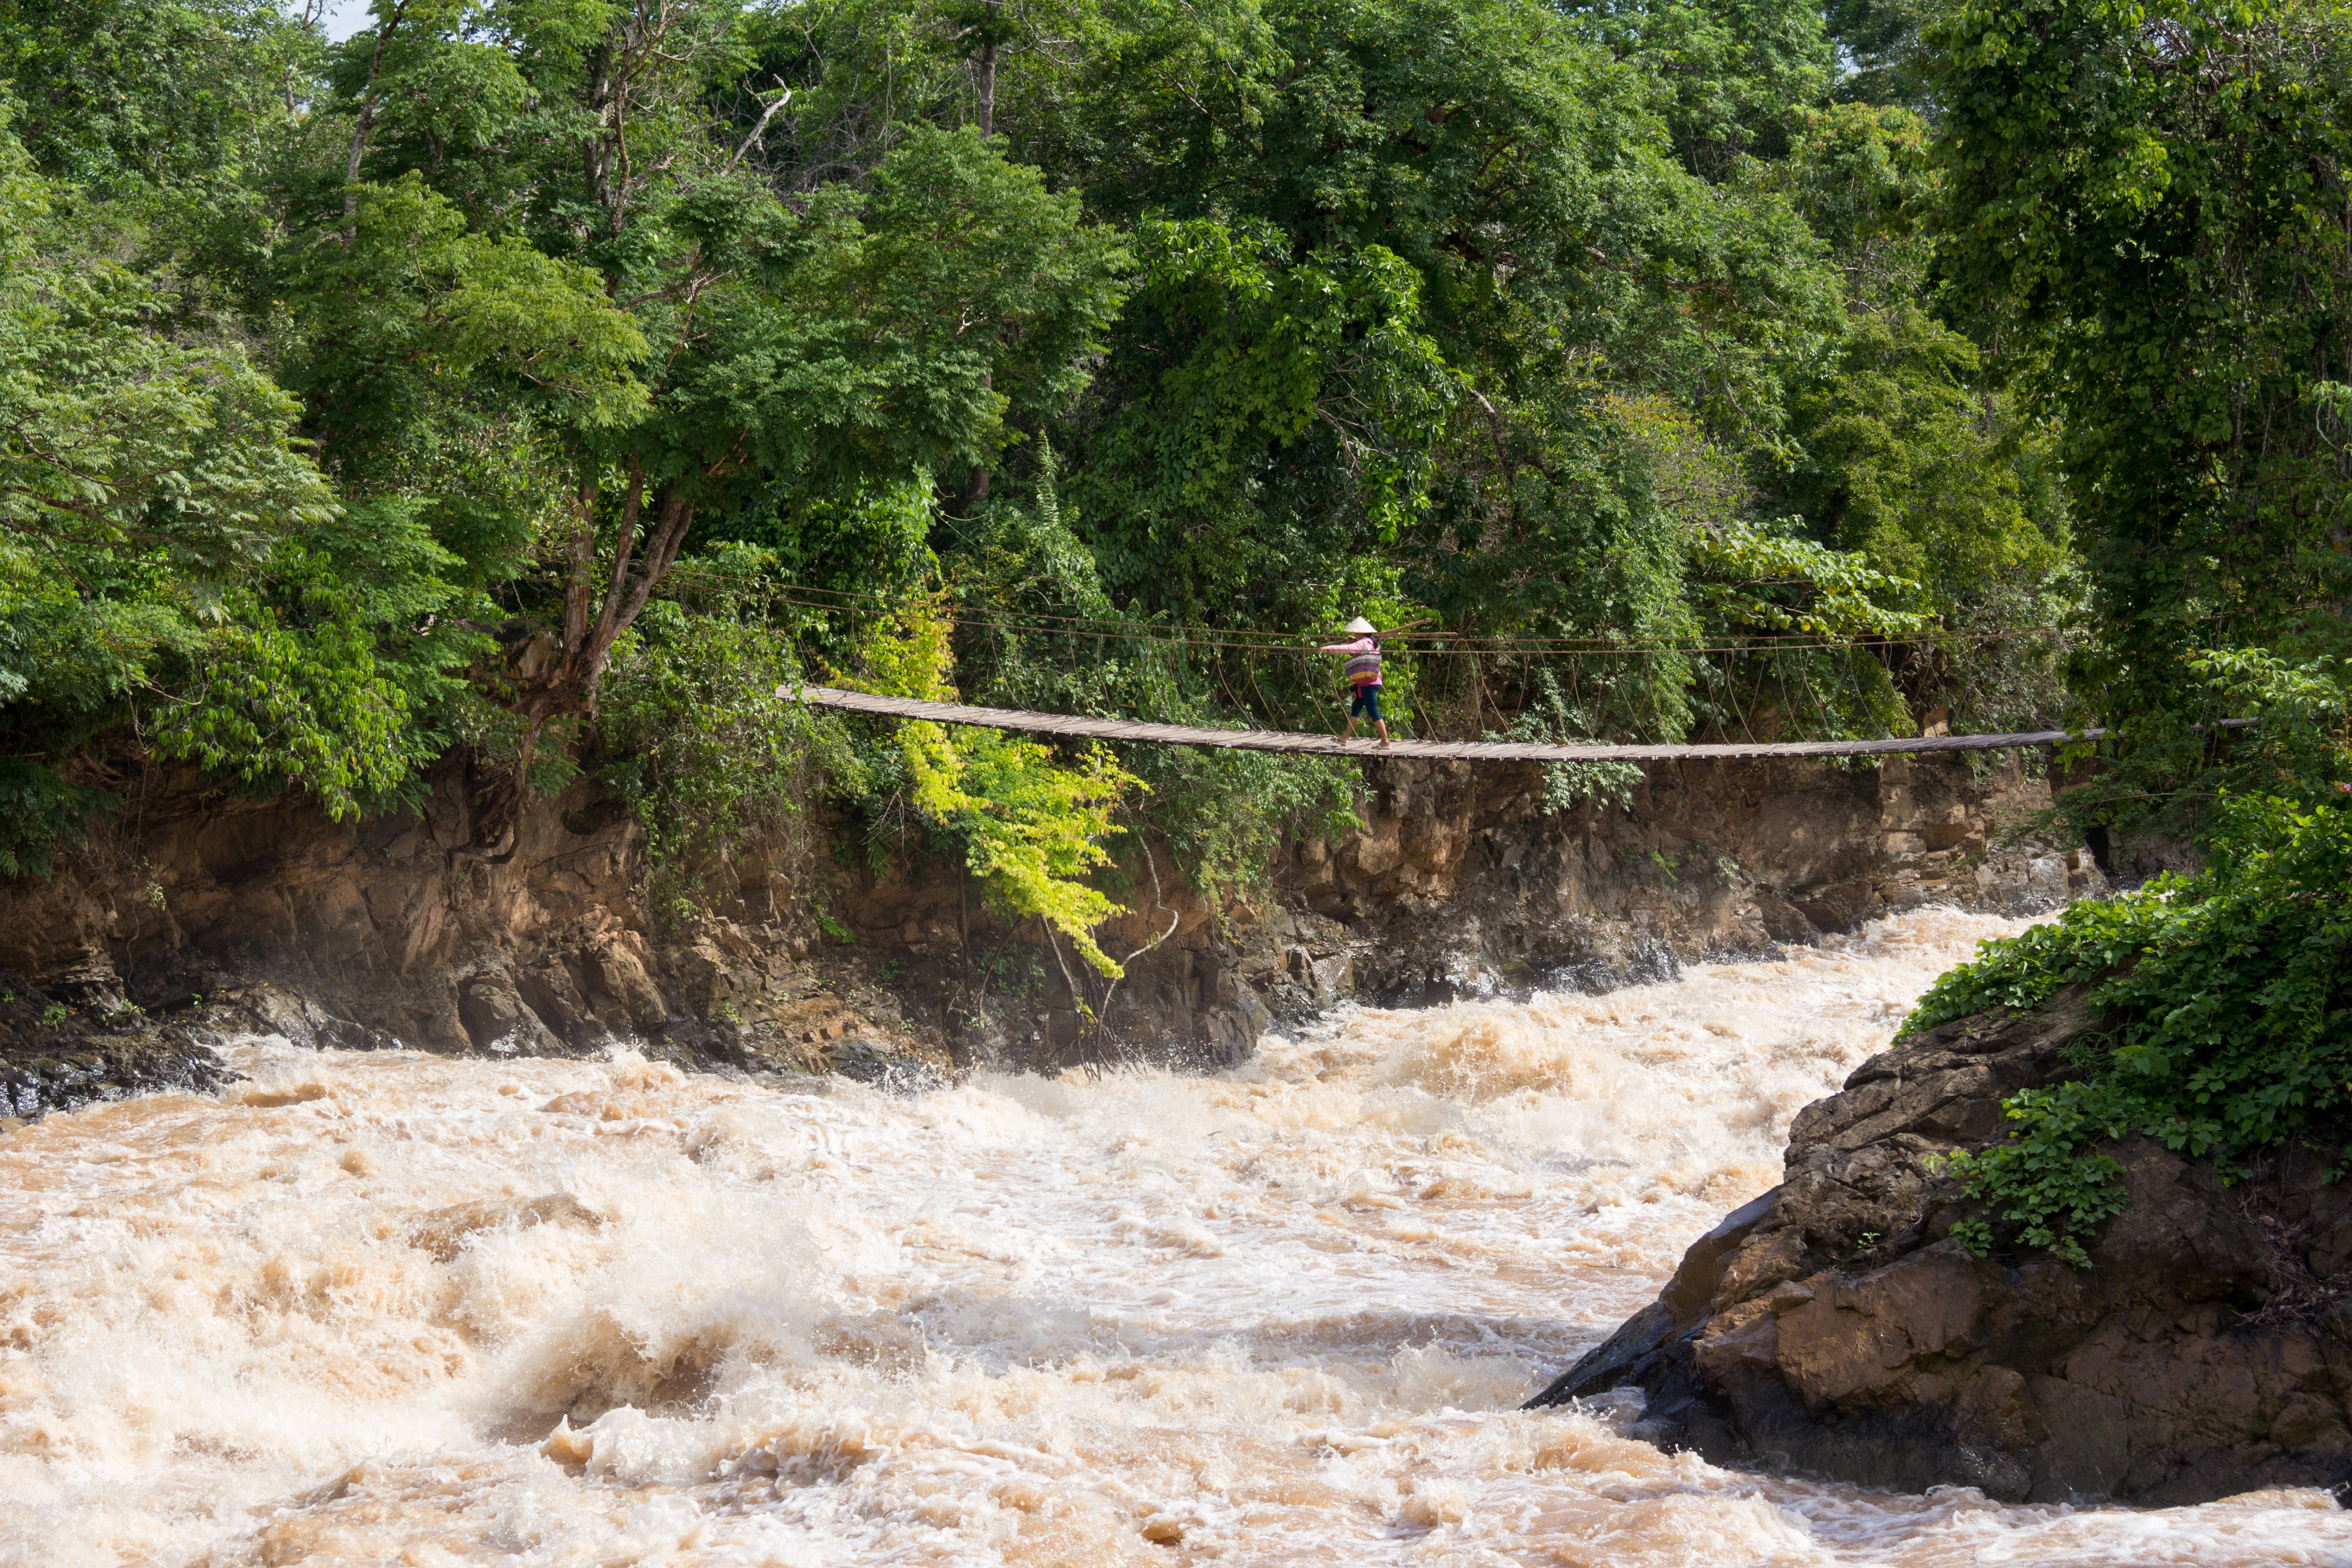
(1462, 883)
(1832, 1326)
(395, 929)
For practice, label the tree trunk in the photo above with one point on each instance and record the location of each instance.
(366, 123)
(566, 689)
(975, 490)
(988, 87)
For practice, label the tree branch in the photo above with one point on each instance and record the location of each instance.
(1175, 917)
(767, 114)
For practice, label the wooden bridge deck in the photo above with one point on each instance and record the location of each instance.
(1329, 746)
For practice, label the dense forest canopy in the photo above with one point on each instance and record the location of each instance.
(543, 380)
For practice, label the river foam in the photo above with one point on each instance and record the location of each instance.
(395, 1307)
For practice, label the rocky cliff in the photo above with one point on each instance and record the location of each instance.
(199, 913)
(1461, 883)
(1833, 1326)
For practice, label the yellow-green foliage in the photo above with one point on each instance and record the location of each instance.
(1032, 829)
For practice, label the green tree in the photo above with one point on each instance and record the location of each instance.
(1294, 424)
(794, 353)
(2152, 196)
(1907, 448)
(1737, 75)
(1594, 327)
(1879, 47)
(165, 543)
(155, 93)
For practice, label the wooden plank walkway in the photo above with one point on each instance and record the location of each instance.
(1329, 746)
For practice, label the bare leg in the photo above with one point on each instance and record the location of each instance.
(1383, 726)
(1352, 731)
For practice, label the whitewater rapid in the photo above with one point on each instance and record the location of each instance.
(394, 1307)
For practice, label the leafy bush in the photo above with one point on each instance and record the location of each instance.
(1032, 829)
(1549, 718)
(2242, 722)
(704, 753)
(2230, 1002)
(2087, 940)
(39, 812)
(2052, 1193)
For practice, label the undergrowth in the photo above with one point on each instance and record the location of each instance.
(2230, 1003)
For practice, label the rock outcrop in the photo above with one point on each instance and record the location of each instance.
(1833, 1326)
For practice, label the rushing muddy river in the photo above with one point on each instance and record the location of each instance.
(400, 1309)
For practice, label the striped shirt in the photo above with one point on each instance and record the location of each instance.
(1363, 667)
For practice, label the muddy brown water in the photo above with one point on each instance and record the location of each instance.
(402, 1309)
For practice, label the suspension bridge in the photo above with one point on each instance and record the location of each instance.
(1077, 727)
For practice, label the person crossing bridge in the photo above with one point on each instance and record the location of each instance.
(1364, 673)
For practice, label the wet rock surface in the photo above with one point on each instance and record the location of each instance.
(1833, 1327)
(870, 1062)
(70, 1044)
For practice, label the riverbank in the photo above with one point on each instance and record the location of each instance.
(199, 914)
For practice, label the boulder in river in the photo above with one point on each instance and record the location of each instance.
(1833, 1326)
